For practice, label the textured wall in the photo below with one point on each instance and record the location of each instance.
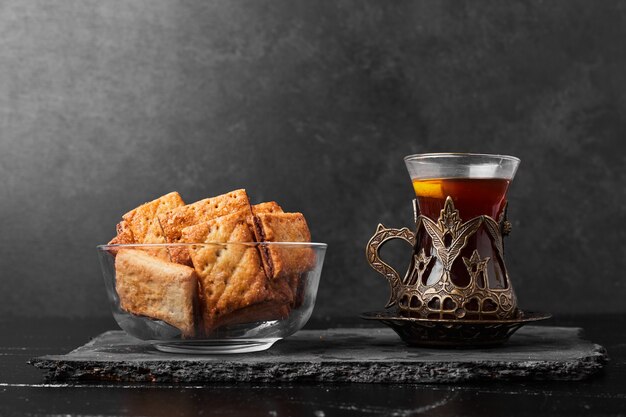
(104, 105)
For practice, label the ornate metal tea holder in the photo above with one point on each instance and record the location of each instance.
(442, 313)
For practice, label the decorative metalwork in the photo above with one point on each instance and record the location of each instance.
(505, 225)
(454, 333)
(477, 269)
(449, 235)
(440, 297)
(382, 236)
(420, 263)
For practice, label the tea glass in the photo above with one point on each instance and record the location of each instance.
(457, 271)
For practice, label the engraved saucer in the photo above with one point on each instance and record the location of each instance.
(455, 333)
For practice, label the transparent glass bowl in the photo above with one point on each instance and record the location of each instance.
(250, 334)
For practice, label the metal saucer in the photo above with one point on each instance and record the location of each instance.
(454, 333)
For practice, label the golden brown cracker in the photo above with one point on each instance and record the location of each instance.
(174, 221)
(231, 277)
(124, 233)
(143, 220)
(144, 225)
(285, 260)
(124, 236)
(149, 286)
(267, 207)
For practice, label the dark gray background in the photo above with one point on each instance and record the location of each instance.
(105, 105)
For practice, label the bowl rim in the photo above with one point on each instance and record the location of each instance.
(316, 245)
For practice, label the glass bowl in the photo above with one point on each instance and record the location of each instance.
(149, 295)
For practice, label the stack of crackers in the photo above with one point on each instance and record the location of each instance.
(224, 277)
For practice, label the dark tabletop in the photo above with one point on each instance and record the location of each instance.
(23, 390)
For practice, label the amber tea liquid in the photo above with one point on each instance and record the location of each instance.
(472, 197)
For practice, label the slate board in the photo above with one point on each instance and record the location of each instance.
(336, 355)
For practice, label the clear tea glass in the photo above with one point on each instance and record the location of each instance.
(477, 184)
(457, 269)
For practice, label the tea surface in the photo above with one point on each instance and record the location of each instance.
(471, 196)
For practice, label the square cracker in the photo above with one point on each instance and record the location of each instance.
(174, 221)
(283, 227)
(230, 276)
(143, 220)
(143, 226)
(149, 286)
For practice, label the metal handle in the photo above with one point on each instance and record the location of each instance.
(382, 236)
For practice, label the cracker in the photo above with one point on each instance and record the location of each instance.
(267, 207)
(124, 236)
(143, 220)
(174, 221)
(124, 233)
(143, 223)
(230, 276)
(283, 227)
(149, 286)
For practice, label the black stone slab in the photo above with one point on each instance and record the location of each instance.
(337, 355)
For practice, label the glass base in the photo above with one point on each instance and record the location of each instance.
(216, 347)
